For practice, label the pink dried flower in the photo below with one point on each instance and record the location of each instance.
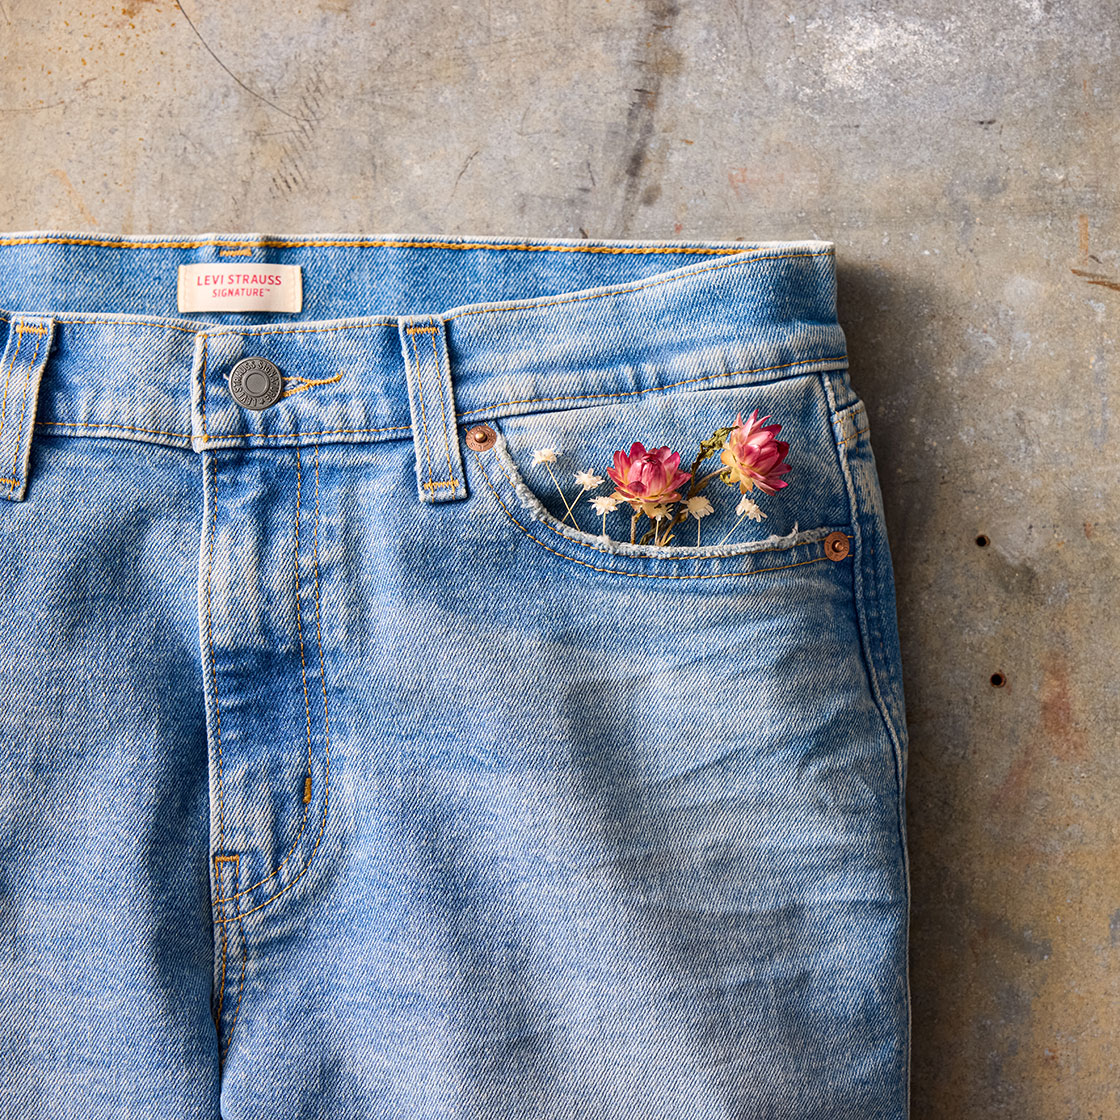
(647, 479)
(753, 455)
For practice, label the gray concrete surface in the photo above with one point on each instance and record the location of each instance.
(963, 157)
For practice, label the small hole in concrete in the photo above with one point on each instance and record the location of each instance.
(982, 541)
(998, 680)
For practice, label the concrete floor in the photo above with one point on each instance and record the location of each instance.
(963, 157)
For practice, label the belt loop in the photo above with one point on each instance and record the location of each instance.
(25, 357)
(439, 464)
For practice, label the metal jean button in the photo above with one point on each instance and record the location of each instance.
(836, 546)
(255, 383)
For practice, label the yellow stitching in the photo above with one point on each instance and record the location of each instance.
(423, 420)
(241, 986)
(222, 982)
(538, 400)
(23, 328)
(11, 366)
(443, 404)
(292, 392)
(202, 399)
(320, 380)
(13, 481)
(306, 704)
(442, 482)
(122, 427)
(647, 575)
(619, 290)
(655, 388)
(583, 544)
(468, 412)
(308, 382)
(23, 410)
(613, 291)
(652, 249)
(210, 643)
(855, 435)
(421, 330)
(235, 252)
(326, 718)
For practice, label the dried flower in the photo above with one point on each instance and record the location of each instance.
(753, 456)
(647, 479)
(544, 455)
(588, 479)
(749, 508)
(699, 506)
(605, 503)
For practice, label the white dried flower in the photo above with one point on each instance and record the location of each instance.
(605, 503)
(746, 506)
(544, 455)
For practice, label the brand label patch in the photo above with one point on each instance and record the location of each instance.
(240, 287)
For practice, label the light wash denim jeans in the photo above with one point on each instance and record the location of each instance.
(361, 760)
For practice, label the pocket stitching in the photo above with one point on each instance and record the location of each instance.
(651, 575)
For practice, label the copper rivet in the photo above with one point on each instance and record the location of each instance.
(480, 437)
(836, 546)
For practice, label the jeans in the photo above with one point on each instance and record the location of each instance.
(364, 756)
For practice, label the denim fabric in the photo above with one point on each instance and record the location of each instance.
(354, 767)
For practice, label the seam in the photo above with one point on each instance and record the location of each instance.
(326, 724)
(420, 393)
(11, 366)
(867, 601)
(210, 647)
(485, 408)
(612, 291)
(121, 427)
(241, 985)
(583, 544)
(658, 388)
(443, 403)
(854, 436)
(23, 409)
(645, 575)
(202, 395)
(222, 981)
(306, 704)
(621, 290)
(277, 244)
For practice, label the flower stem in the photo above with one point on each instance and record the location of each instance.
(733, 528)
(562, 498)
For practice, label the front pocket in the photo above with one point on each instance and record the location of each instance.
(545, 471)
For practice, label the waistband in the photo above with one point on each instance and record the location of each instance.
(398, 337)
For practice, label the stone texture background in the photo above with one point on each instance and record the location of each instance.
(963, 157)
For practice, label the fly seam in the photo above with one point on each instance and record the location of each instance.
(210, 646)
(244, 963)
(326, 725)
(306, 704)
